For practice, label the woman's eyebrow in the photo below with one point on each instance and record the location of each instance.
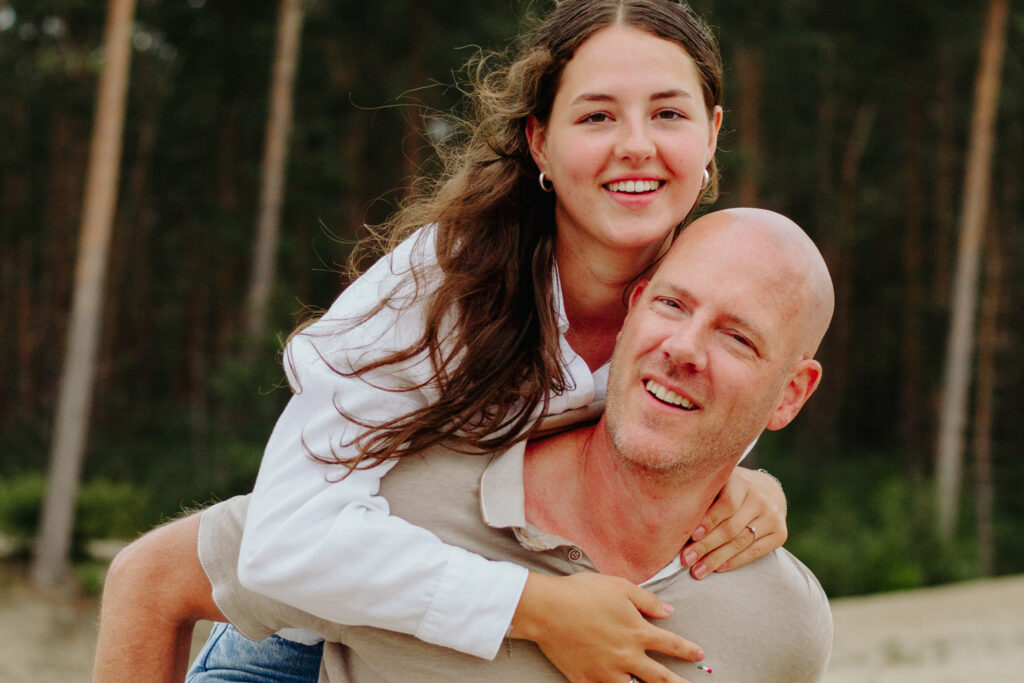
(604, 97)
(592, 97)
(669, 94)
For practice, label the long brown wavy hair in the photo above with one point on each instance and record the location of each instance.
(495, 235)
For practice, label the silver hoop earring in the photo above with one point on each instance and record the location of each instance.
(542, 179)
(707, 179)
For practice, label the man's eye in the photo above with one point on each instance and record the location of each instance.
(742, 340)
(671, 303)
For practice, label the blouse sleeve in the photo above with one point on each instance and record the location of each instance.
(325, 543)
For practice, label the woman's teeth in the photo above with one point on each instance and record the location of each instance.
(634, 186)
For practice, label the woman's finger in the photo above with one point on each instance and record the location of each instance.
(739, 550)
(666, 642)
(651, 671)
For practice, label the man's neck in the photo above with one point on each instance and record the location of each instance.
(631, 524)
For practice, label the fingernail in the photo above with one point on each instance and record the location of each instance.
(700, 571)
(698, 533)
(689, 557)
(668, 608)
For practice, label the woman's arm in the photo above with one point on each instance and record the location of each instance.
(326, 544)
(332, 549)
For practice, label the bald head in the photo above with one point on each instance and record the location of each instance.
(719, 344)
(767, 250)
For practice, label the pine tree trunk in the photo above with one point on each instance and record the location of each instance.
(749, 76)
(53, 547)
(842, 260)
(67, 154)
(960, 344)
(18, 334)
(984, 408)
(26, 334)
(354, 136)
(128, 237)
(413, 137)
(944, 197)
(279, 124)
(912, 351)
(819, 431)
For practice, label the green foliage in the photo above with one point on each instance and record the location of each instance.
(884, 542)
(21, 499)
(90, 575)
(864, 527)
(105, 509)
(108, 509)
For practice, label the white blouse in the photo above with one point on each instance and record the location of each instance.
(326, 544)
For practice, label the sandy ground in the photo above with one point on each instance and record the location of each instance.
(952, 634)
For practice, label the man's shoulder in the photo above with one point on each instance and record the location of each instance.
(780, 584)
(768, 620)
(441, 474)
(791, 575)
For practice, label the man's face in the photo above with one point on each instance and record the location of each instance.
(705, 354)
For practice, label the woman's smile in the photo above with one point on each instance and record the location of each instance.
(626, 144)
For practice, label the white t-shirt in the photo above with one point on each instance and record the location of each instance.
(328, 545)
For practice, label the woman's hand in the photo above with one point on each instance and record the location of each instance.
(747, 521)
(591, 627)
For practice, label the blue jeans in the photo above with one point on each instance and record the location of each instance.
(230, 656)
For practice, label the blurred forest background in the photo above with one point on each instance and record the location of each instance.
(853, 118)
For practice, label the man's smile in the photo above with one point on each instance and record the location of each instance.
(668, 396)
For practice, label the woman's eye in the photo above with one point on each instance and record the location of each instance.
(669, 114)
(596, 117)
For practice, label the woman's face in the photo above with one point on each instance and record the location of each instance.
(626, 144)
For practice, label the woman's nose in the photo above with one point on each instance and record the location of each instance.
(635, 141)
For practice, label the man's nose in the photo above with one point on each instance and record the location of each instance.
(687, 346)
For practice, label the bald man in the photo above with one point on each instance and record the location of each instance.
(717, 346)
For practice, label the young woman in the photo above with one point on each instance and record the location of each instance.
(582, 161)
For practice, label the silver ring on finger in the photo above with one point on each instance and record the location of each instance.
(753, 531)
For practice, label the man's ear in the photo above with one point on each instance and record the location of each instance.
(634, 296)
(803, 381)
(535, 136)
(637, 291)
